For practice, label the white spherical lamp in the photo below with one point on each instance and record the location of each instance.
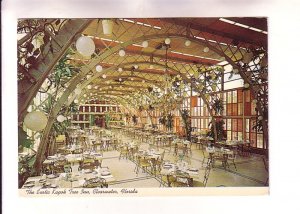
(60, 118)
(246, 85)
(120, 69)
(103, 76)
(187, 43)
(136, 66)
(107, 26)
(167, 41)
(206, 49)
(75, 101)
(99, 68)
(85, 46)
(35, 120)
(77, 91)
(89, 87)
(122, 52)
(145, 44)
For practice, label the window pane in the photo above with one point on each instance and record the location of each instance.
(259, 140)
(234, 97)
(229, 135)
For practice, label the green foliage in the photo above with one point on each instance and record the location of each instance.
(26, 164)
(162, 120)
(221, 134)
(187, 123)
(25, 167)
(47, 105)
(61, 127)
(23, 139)
(92, 120)
(73, 108)
(218, 106)
(170, 122)
(258, 126)
(63, 70)
(167, 121)
(107, 120)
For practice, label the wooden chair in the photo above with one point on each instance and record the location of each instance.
(231, 157)
(78, 151)
(132, 152)
(220, 157)
(206, 176)
(182, 179)
(124, 152)
(142, 163)
(167, 180)
(59, 166)
(114, 144)
(87, 163)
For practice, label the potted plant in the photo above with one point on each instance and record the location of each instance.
(169, 122)
(218, 106)
(187, 123)
(221, 133)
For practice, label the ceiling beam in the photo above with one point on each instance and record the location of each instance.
(203, 28)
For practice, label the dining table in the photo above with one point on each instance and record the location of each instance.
(68, 180)
(170, 169)
(220, 154)
(72, 158)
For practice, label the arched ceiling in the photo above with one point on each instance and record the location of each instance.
(225, 34)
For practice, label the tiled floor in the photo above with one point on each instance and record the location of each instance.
(250, 170)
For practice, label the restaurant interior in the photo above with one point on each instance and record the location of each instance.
(143, 103)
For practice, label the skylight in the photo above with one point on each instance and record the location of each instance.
(141, 23)
(193, 55)
(243, 25)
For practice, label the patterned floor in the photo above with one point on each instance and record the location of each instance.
(250, 170)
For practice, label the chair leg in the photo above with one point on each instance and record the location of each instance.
(234, 165)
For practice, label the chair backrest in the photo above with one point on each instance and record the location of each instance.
(66, 152)
(60, 162)
(78, 151)
(184, 177)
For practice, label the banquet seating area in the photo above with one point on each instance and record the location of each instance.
(136, 103)
(165, 160)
